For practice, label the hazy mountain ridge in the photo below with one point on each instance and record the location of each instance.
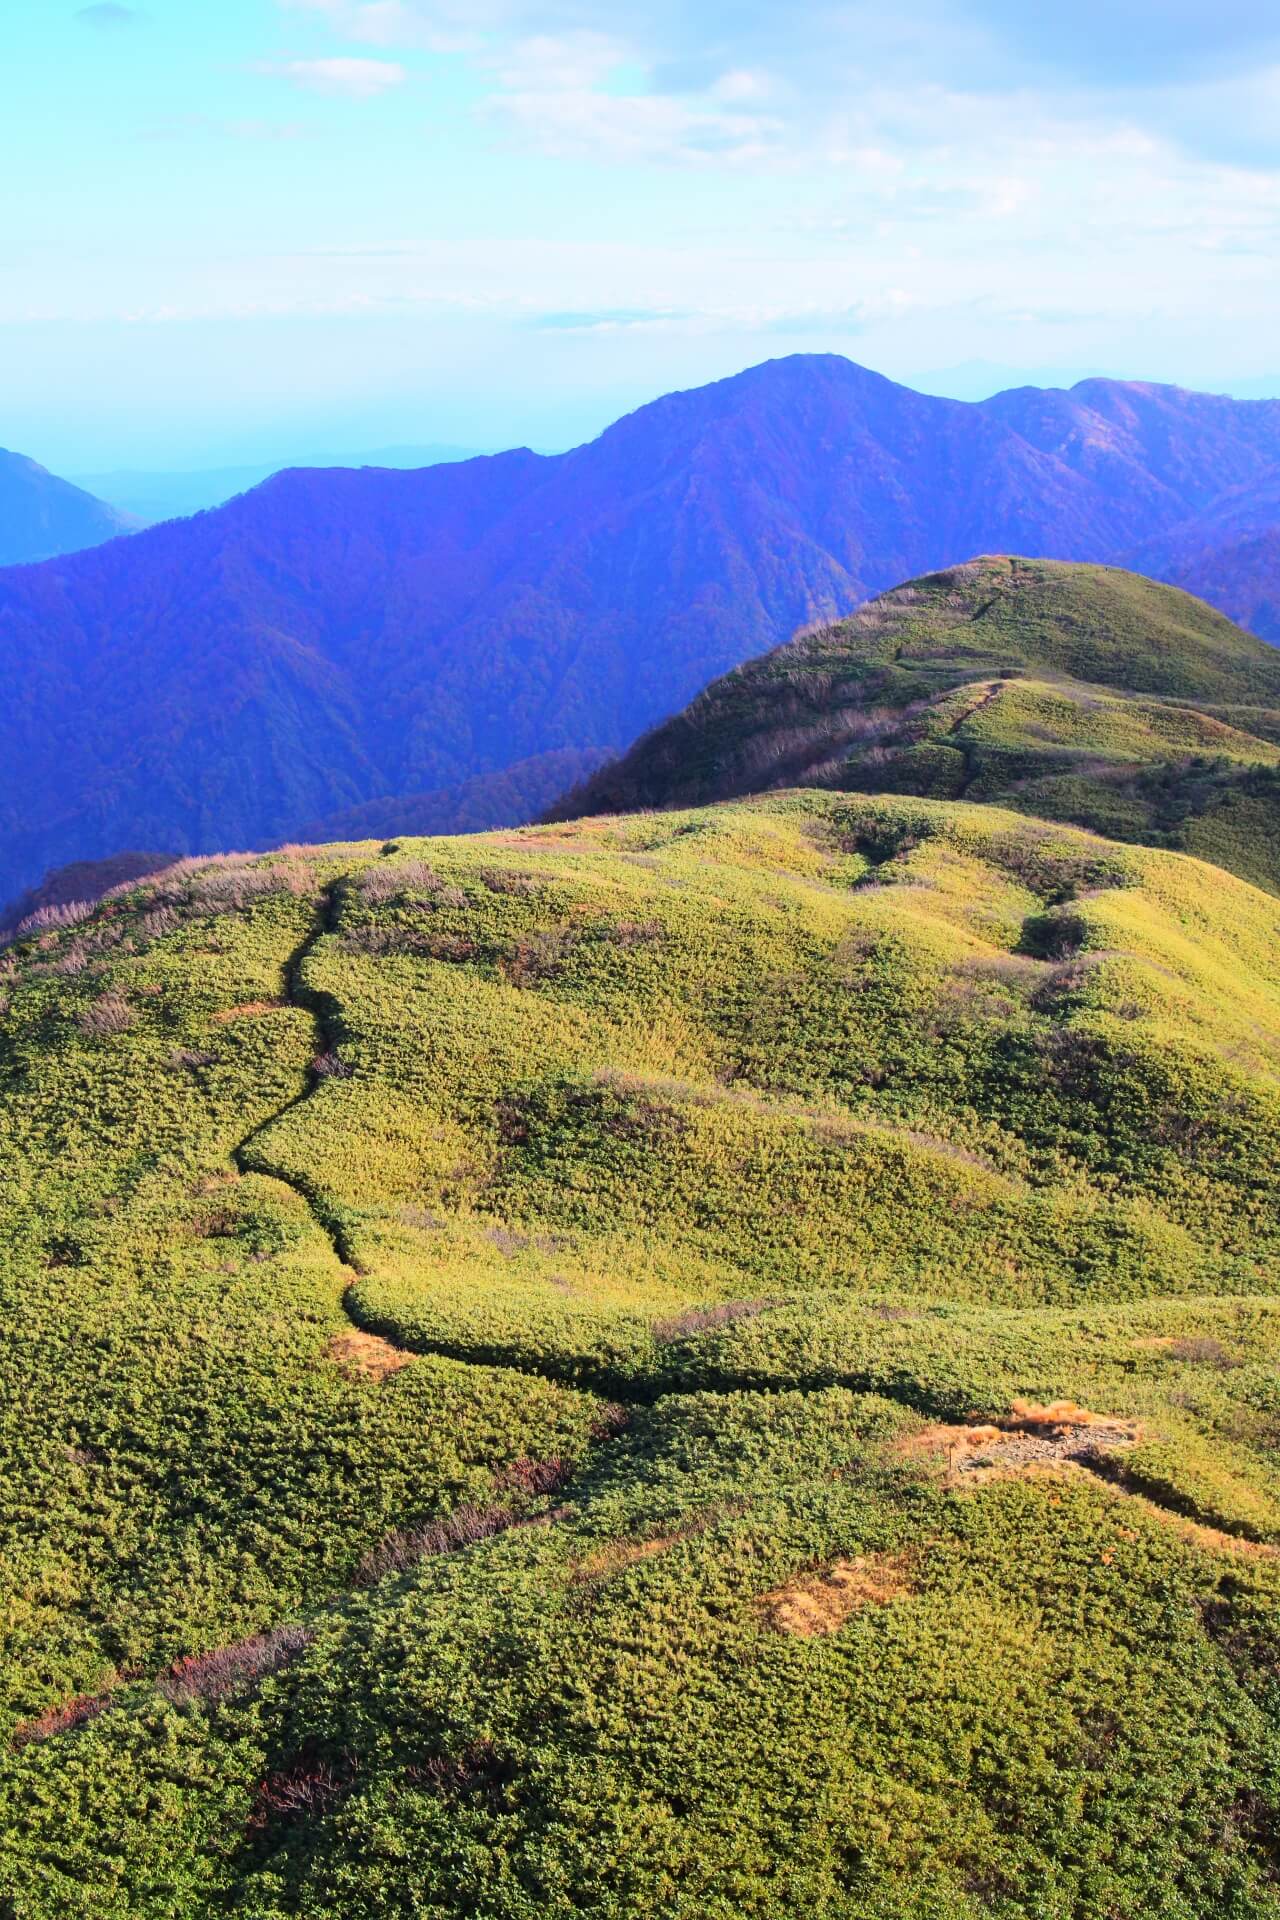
(1229, 554)
(152, 496)
(338, 637)
(42, 516)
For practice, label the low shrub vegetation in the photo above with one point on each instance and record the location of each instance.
(713, 1363)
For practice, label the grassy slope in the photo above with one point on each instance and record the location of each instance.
(794, 1126)
(1076, 692)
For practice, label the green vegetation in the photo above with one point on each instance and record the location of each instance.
(1071, 692)
(703, 1364)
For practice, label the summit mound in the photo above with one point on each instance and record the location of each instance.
(1070, 691)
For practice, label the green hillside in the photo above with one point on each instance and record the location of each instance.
(705, 1364)
(1070, 692)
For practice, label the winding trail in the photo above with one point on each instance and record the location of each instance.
(326, 1015)
(1106, 1471)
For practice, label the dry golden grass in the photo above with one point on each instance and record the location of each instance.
(820, 1602)
(1213, 1539)
(612, 1556)
(615, 1555)
(944, 1438)
(1058, 1416)
(366, 1356)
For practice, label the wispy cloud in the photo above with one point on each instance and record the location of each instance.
(1201, 76)
(398, 23)
(610, 320)
(754, 316)
(109, 16)
(575, 96)
(585, 124)
(340, 77)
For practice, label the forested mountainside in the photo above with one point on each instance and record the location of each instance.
(1229, 555)
(338, 637)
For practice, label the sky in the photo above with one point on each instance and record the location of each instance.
(259, 229)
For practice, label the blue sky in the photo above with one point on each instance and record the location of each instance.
(281, 228)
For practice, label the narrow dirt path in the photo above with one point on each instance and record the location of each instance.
(326, 1014)
(326, 1017)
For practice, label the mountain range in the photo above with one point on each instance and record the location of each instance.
(150, 496)
(715, 1355)
(335, 638)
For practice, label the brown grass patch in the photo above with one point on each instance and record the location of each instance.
(64, 1719)
(229, 1670)
(367, 1356)
(1197, 1534)
(696, 1320)
(820, 1602)
(1204, 1350)
(948, 1439)
(615, 1555)
(1059, 1416)
(247, 1008)
(304, 1790)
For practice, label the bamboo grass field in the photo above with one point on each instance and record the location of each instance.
(640, 960)
(693, 1363)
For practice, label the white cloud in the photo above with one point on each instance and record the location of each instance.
(577, 96)
(741, 86)
(558, 63)
(346, 78)
(1204, 78)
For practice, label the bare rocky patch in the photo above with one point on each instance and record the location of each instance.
(1031, 1438)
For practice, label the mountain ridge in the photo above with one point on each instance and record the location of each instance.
(673, 1363)
(335, 638)
(1078, 692)
(43, 517)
